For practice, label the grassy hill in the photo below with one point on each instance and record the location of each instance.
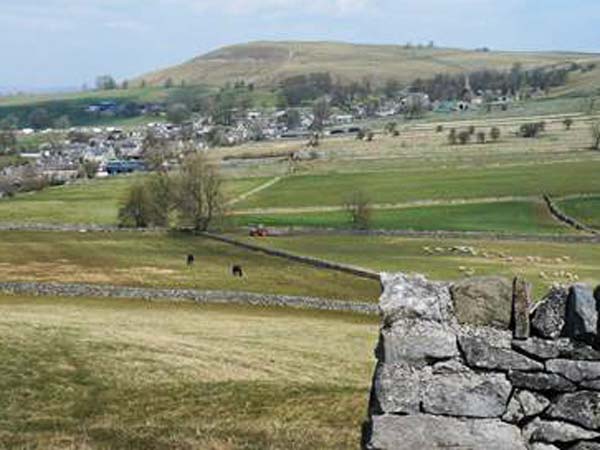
(265, 63)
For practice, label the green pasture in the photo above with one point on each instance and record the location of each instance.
(119, 374)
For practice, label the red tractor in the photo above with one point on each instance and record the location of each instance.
(259, 231)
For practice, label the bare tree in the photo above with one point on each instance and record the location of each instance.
(596, 136)
(359, 209)
(199, 197)
(321, 112)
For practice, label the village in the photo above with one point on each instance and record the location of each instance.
(64, 155)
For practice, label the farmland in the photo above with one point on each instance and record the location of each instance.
(131, 374)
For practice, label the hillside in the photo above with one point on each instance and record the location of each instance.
(265, 63)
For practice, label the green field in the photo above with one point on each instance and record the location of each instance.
(586, 210)
(396, 186)
(542, 263)
(92, 202)
(107, 374)
(72, 105)
(159, 260)
(501, 217)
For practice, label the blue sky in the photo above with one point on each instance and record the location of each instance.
(50, 43)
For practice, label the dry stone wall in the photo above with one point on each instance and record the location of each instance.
(442, 384)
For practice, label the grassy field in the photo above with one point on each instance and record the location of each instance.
(73, 104)
(91, 374)
(93, 202)
(397, 186)
(159, 260)
(501, 217)
(586, 210)
(542, 263)
(267, 63)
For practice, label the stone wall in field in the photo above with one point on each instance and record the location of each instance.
(523, 379)
(214, 297)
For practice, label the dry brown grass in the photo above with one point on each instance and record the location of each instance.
(91, 374)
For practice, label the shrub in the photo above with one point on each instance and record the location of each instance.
(481, 137)
(471, 130)
(464, 137)
(532, 130)
(439, 128)
(495, 133)
(359, 209)
(568, 122)
(452, 139)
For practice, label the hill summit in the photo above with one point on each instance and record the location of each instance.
(267, 63)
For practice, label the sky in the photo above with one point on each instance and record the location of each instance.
(66, 43)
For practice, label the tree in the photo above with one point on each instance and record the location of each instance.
(125, 85)
(8, 141)
(10, 122)
(415, 107)
(359, 209)
(531, 130)
(148, 202)
(39, 118)
(169, 83)
(481, 137)
(568, 123)
(495, 133)
(105, 83)
(464, 137)
(292, 119)
(321, 113)
(391, 128)
(89, 169)
(136, 209)
(452, 138)
(596, 136)
(199, 197)
(471, 130)
(178, 113)
(62, 123)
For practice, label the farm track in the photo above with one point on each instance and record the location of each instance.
(390, 206)
(254, 191)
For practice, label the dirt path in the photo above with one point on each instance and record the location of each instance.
(256, 190)
(388, 206)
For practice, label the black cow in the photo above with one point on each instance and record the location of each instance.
(190, 260)
(237, 271)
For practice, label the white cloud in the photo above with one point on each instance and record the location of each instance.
(244, 7)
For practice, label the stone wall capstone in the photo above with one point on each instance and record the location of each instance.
(443, 384)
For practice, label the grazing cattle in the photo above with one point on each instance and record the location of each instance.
(237, 271)
(191, 260)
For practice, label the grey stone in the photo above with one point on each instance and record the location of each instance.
(576, 371)
(449, 367)
(417, 342)
(413, 297)
(542, 446)
(541, 382)
(561, 348)
(593, 385)
(582, 408)
(483, 301)
(538, 348)
(436, 433)
(582, 314)
(520, 308)
(525, 404)
(397, 388)
(548, 318)
(552, 431)
(586, 446)
(481, 355)
(532, 403)
(514, 412)
(467, 395)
